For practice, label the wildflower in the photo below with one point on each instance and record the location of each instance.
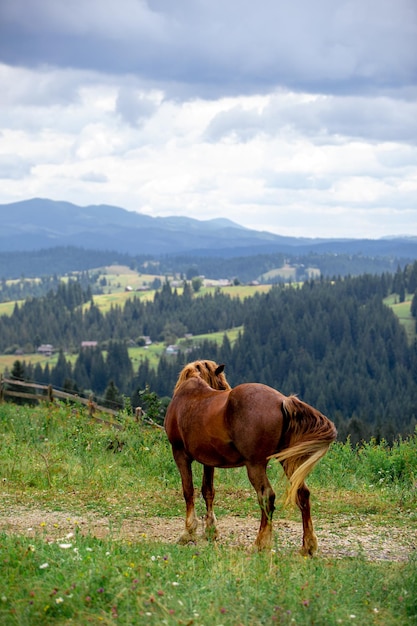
(89, 549)
(69, 535)
(160, 592)
(44, 566)
(223, 610)
(175, 583)
(65, 546)
(88, 598)
(59, 600)
(306, 602)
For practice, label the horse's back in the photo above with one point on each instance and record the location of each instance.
(254, 419)
(226, 428)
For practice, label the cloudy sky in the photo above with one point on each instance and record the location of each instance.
(298, 117)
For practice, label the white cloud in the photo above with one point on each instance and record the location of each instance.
(298, 117)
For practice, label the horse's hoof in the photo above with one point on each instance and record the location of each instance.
(187, 539)
(262, 545)
(211, 534)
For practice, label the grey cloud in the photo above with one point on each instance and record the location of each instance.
(296, 180)
(133, 106)
(395, 158)
(45, 87)
(377, 119)
(239, 122)
(213, 48)
(13, 167)
(94, 177)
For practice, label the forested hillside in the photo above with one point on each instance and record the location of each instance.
(244, 267)
(334, 343)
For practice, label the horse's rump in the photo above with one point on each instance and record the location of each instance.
(308, 436)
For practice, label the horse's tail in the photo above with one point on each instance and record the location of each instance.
(310, 435)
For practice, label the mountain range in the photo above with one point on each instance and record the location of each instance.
(37, 224)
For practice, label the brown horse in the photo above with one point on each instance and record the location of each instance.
(217, 426)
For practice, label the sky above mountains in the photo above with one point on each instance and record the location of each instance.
(297, 118)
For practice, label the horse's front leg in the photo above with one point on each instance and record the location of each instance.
(266, 498)
(184, 465)
(309, 537)
(208, 494)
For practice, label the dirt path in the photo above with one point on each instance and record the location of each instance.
(342, 538)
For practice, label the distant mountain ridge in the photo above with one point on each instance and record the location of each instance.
(37, 224)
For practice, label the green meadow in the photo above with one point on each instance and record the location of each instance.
(89, 518)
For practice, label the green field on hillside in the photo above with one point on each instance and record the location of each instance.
(137, 354)
(403, 311)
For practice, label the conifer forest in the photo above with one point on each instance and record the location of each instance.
(333, 342)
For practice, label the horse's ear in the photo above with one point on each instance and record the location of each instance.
(219, 369)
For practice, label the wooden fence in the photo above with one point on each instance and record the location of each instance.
(45, 393)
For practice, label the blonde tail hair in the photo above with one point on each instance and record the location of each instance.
(298, 469)
(310, 435)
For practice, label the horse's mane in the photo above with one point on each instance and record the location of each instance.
(209, 371)
(310, 434)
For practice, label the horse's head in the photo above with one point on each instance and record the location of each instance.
(208, 371)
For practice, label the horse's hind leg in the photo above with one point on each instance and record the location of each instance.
(309, 537)
(191, 523)
(208, 495)
(266, 498)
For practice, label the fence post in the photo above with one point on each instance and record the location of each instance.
(138, 414)
(91, 406)
(1, 389)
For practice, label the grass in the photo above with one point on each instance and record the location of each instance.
(83, 580)
(403, 311)
(7, 308)
(54, 459)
